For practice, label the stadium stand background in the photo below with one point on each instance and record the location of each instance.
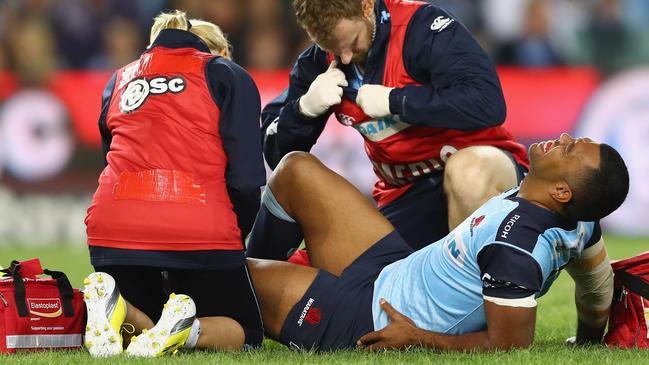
(580, 66)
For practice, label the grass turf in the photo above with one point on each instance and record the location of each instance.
(556, 321)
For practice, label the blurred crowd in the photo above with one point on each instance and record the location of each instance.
(38, 36)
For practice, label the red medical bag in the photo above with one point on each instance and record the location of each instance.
(39, 313)
(628, 325)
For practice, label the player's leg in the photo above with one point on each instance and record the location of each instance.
(420, 215)
(226, 307)
(279, 286)
(272, 237)
(338, 222)
(208, 309)
(472, 176)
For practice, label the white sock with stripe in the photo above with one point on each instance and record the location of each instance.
(194, 333)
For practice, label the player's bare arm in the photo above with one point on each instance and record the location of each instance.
(508, 328)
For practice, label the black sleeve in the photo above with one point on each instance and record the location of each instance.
(508, 273)
(284, 128)
(460, 88)
(237, 97)
(106, 136)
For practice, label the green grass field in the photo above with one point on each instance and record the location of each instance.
(556, 321)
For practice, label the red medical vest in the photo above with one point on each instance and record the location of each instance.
(401, 153)
(164, 186)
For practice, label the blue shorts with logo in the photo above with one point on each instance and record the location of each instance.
(336, 311)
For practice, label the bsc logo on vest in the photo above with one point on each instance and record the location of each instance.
(138, 91)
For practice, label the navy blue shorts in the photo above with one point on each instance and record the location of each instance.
(421, 214)
(336, 311)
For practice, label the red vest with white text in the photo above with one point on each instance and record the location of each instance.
(402, 153)
(164, 186)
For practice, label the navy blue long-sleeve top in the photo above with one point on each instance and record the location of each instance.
(459, 85)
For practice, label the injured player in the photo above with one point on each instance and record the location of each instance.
(475, 289)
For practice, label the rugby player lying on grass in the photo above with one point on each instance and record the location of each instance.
(475, 289)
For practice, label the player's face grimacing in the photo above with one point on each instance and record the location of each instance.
(351, 39)
(555, 159)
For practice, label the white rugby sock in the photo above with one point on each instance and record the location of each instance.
(194, 333)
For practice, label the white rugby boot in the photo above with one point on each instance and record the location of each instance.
(171, 331)
(106, 313)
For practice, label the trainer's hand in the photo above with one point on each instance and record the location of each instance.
(401, 333)
(374, 100)
(325, 91)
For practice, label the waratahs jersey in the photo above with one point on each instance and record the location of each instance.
(447, 97)
(509, 252)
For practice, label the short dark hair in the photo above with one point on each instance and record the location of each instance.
(597, 192)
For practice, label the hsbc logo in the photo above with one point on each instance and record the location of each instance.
(45, 307)
(138, 91)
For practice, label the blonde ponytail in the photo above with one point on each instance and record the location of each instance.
(176, 19)
(209, 33)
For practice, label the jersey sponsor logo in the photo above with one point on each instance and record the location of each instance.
(45, 307)
(138, 91)
(440, 23)
(305, 311)
(487, 281)
(403, 174)
(508, 227)
(379, 129)
(456, 249)
(345, 119)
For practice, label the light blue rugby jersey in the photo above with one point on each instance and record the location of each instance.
(509, 248)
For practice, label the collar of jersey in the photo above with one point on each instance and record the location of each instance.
(544, 215)
(176, 38)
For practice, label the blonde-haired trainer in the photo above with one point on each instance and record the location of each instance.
(180, 191)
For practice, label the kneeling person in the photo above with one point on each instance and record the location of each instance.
(179, 192)
(475, 289)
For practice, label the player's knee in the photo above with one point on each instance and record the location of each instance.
(477, 173)
(465, 175)
(293, 168)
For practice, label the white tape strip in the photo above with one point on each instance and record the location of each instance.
(43, 341)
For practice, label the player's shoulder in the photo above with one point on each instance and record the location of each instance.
(525, 223)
